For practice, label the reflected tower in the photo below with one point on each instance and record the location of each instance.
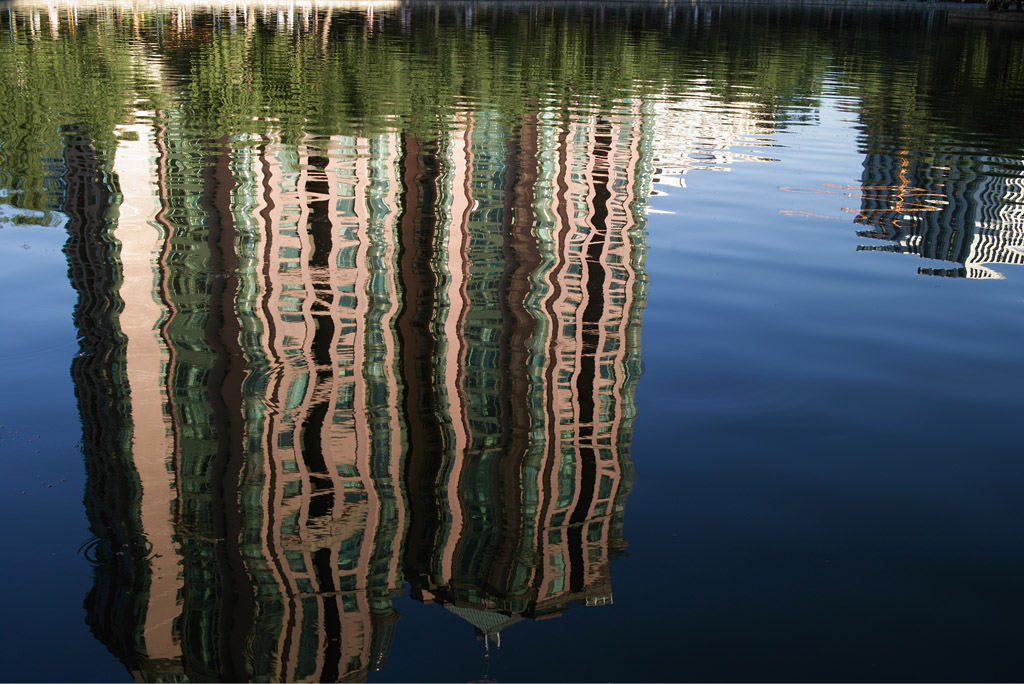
(539, 306)
(950, 208)
(317, 367)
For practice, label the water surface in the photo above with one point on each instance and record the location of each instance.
(542, 341)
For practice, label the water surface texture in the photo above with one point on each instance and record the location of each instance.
(560, 342)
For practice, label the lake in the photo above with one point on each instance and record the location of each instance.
(500, 341)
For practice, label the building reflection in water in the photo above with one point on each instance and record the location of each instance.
(953, 208)
(314, 372)
(318, 369)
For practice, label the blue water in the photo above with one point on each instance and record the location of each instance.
(44, 633)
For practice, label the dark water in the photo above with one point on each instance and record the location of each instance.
(516, 342)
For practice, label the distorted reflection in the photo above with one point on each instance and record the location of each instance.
(331, 367)
(357, 331)
(968, 211)
(317, 370)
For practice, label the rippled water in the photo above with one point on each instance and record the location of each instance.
(386, 332)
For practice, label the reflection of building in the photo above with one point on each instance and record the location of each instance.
(308, 466)
(330, 516)
(341, 364)
(698, 132)
(120, 553)
(529, 491)
(139, 240)
(290, 12)
(951, 209)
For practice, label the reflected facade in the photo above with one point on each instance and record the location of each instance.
(329, 368)
(949, 209)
